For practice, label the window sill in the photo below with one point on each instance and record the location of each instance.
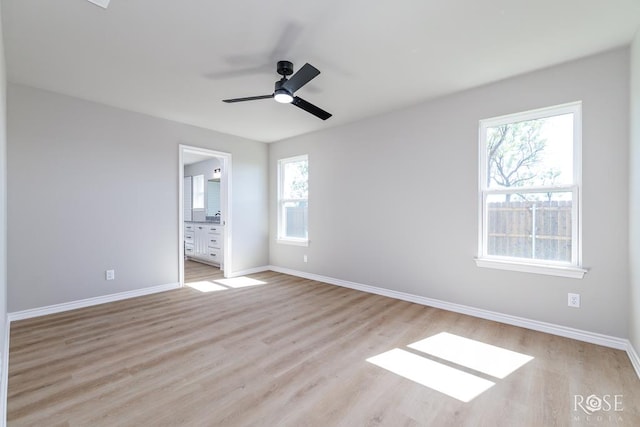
(294, 242)
(550, 270)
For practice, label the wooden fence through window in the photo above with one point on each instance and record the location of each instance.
(530, 229)
(296, 220)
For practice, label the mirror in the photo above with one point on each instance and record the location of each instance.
(213, 197)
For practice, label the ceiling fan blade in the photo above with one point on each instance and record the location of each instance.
(310, 108)
(304, 75)
(248, 98)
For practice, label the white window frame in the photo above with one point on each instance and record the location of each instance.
(281, 237)
(572, 269)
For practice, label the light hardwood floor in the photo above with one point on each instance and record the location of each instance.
(196, 271)
(288, 352)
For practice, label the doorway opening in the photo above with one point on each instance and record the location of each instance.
(204, 215)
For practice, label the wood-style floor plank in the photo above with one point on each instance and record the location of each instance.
(287, 352)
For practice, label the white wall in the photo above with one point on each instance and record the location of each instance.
(634, 211)
(91, 187)
(3, 218)
(393, 199)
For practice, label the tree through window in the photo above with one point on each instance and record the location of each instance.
(293, 195)
(529, 185)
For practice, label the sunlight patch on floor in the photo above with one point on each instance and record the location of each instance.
(480, 357)
(445, 379)
(239, 282)
(224, 284)
(488, 359)
(206, 286)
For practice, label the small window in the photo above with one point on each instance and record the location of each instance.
(198, 192)
(530, 191)
(293, 193)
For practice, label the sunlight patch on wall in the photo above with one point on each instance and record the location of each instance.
(101, 3)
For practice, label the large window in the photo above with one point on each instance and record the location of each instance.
(293, 194)
(530, 191)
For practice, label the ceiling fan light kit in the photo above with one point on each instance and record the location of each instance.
(282, 95)
(285, 88)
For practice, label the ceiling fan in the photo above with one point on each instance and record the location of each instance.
(285, 88)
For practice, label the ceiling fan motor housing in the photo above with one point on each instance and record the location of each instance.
(285, 68)
(279, 89)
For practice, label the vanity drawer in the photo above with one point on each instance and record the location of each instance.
(214, 241)
(214, 229)
(188, 227)
(189, 250)
(189, 237)
(213, 255)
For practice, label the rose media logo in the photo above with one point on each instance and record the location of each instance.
(606, 407)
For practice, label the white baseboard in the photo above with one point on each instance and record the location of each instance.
(563, 331)
(577, 334)
(72, 305)
(633, 356)
(250, 271)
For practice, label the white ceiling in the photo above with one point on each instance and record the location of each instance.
(179, 59)
(189, 158)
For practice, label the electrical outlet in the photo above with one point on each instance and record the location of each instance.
(574, 300)
(110, 275)
(304, 258)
